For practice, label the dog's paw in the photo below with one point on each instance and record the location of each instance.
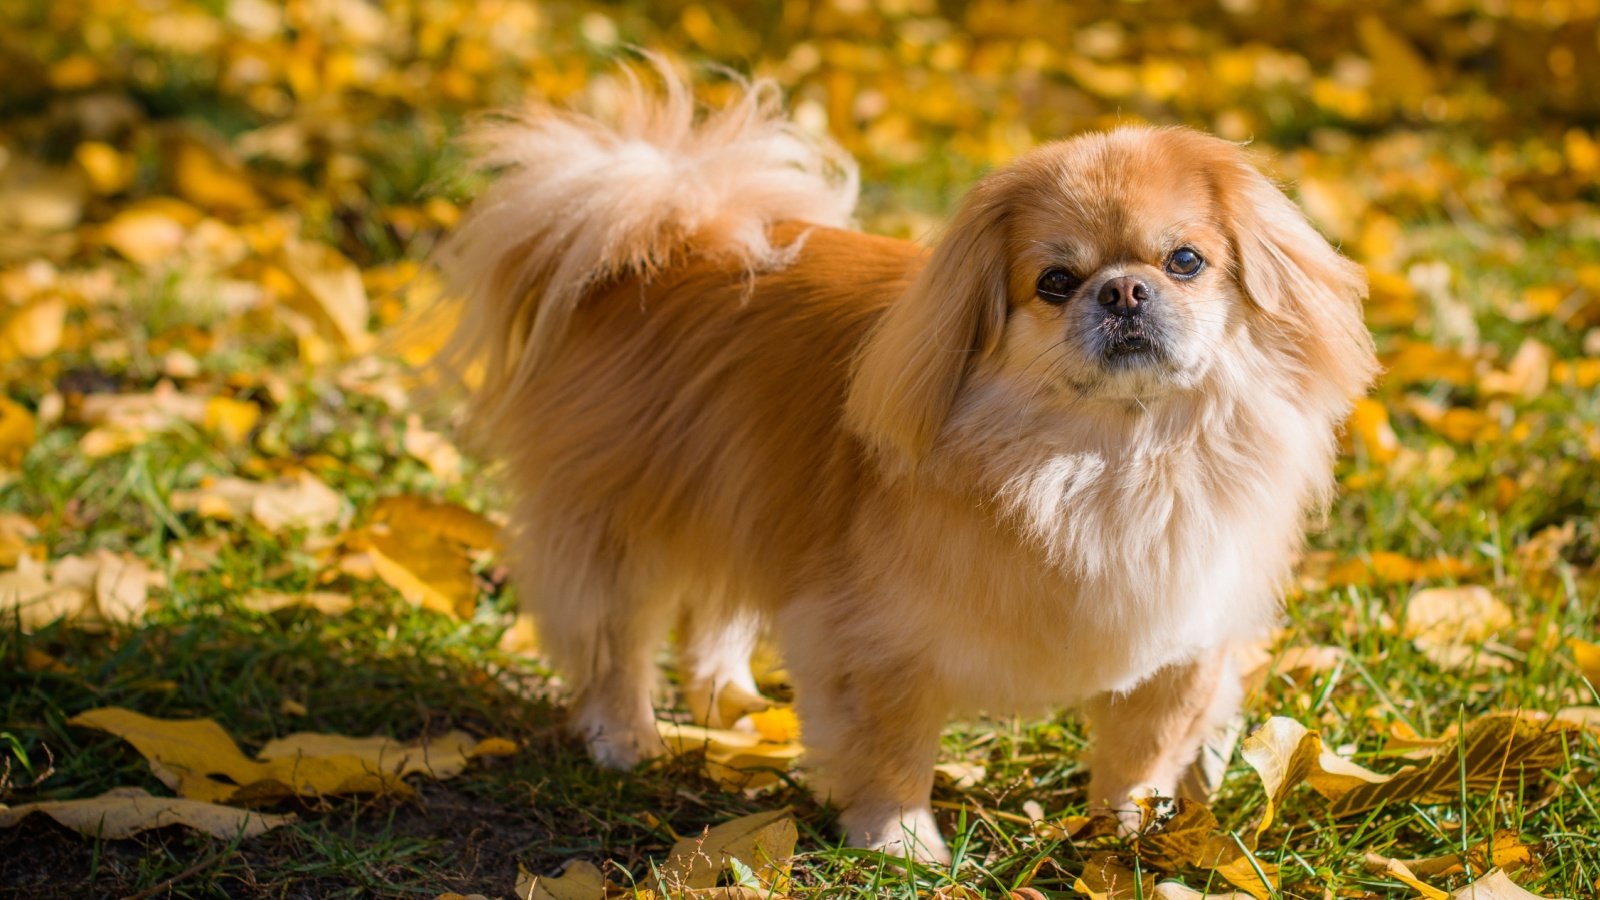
(909, 834)
(618, 745)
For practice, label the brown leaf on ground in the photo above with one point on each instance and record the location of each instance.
(124, 812)
(198, 760)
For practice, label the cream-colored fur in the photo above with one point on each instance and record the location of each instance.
(717, 406)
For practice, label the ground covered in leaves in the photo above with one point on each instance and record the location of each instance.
(219, 502)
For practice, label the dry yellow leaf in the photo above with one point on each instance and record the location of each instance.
(300, 500)
(1528, 374)
(424, 549)
(1106, 877)
(203, 178)
(1496, 885)
(230, 419)
(326, 602)
(197, 759)
(457, 523)
(146, 235)
(28, 591)
(1398, 870)
(33, 330)
(1587, 656)
(88, 590)
(434, 450)
(332, 285)
(16, 433)
(1450, 625)
(1496, 752)
(763, 842)
(1370, 428)
(108, 170)
(124, 812)
(578, 881)
(17, 532)
(739, 760)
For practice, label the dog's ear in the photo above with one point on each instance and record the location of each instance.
(1309, 293)
(912, 364)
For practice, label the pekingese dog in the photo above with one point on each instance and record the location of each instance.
(1064, 457)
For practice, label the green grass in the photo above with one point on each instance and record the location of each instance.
(1460, 197)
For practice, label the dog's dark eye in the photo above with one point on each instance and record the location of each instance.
(1057, 285)
(1185, 263)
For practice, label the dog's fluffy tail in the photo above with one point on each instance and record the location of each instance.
(575, 201)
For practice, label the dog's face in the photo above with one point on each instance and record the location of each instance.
(1120, 271)
(1122, 266)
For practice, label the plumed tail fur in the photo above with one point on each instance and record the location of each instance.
(576, 201)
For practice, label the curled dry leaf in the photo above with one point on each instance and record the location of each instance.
(1493, 753)
(1504, 850)
(124, 812)
(1191, 836)
(762, 842)
(198, 760)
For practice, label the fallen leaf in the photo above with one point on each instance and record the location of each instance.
(332, 285)
(1496, 885)
(578, 881)
(17, 533)
(230, 419)
(434, 450)
(1587, 656)
(737, 759)
(197, 759)
(1454, 615)
(1450, 626)
(1106, 877)
(89, 590)
(16, 433)
(763, 842)
(1285, 753)
(126, 811)
(33, 330)
(424, 549)
(300, 500)
(326, 602)
(146, 234)
(959, 775)
(1496, 752)
(1397, 870)
(1191, 836)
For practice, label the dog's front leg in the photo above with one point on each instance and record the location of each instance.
(1145, 738)
(872, 735)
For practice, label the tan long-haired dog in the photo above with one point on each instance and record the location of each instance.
(1063, 458)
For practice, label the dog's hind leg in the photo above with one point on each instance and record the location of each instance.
(600, 632)
(715, 643)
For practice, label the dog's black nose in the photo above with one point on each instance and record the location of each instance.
(1125, 296)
